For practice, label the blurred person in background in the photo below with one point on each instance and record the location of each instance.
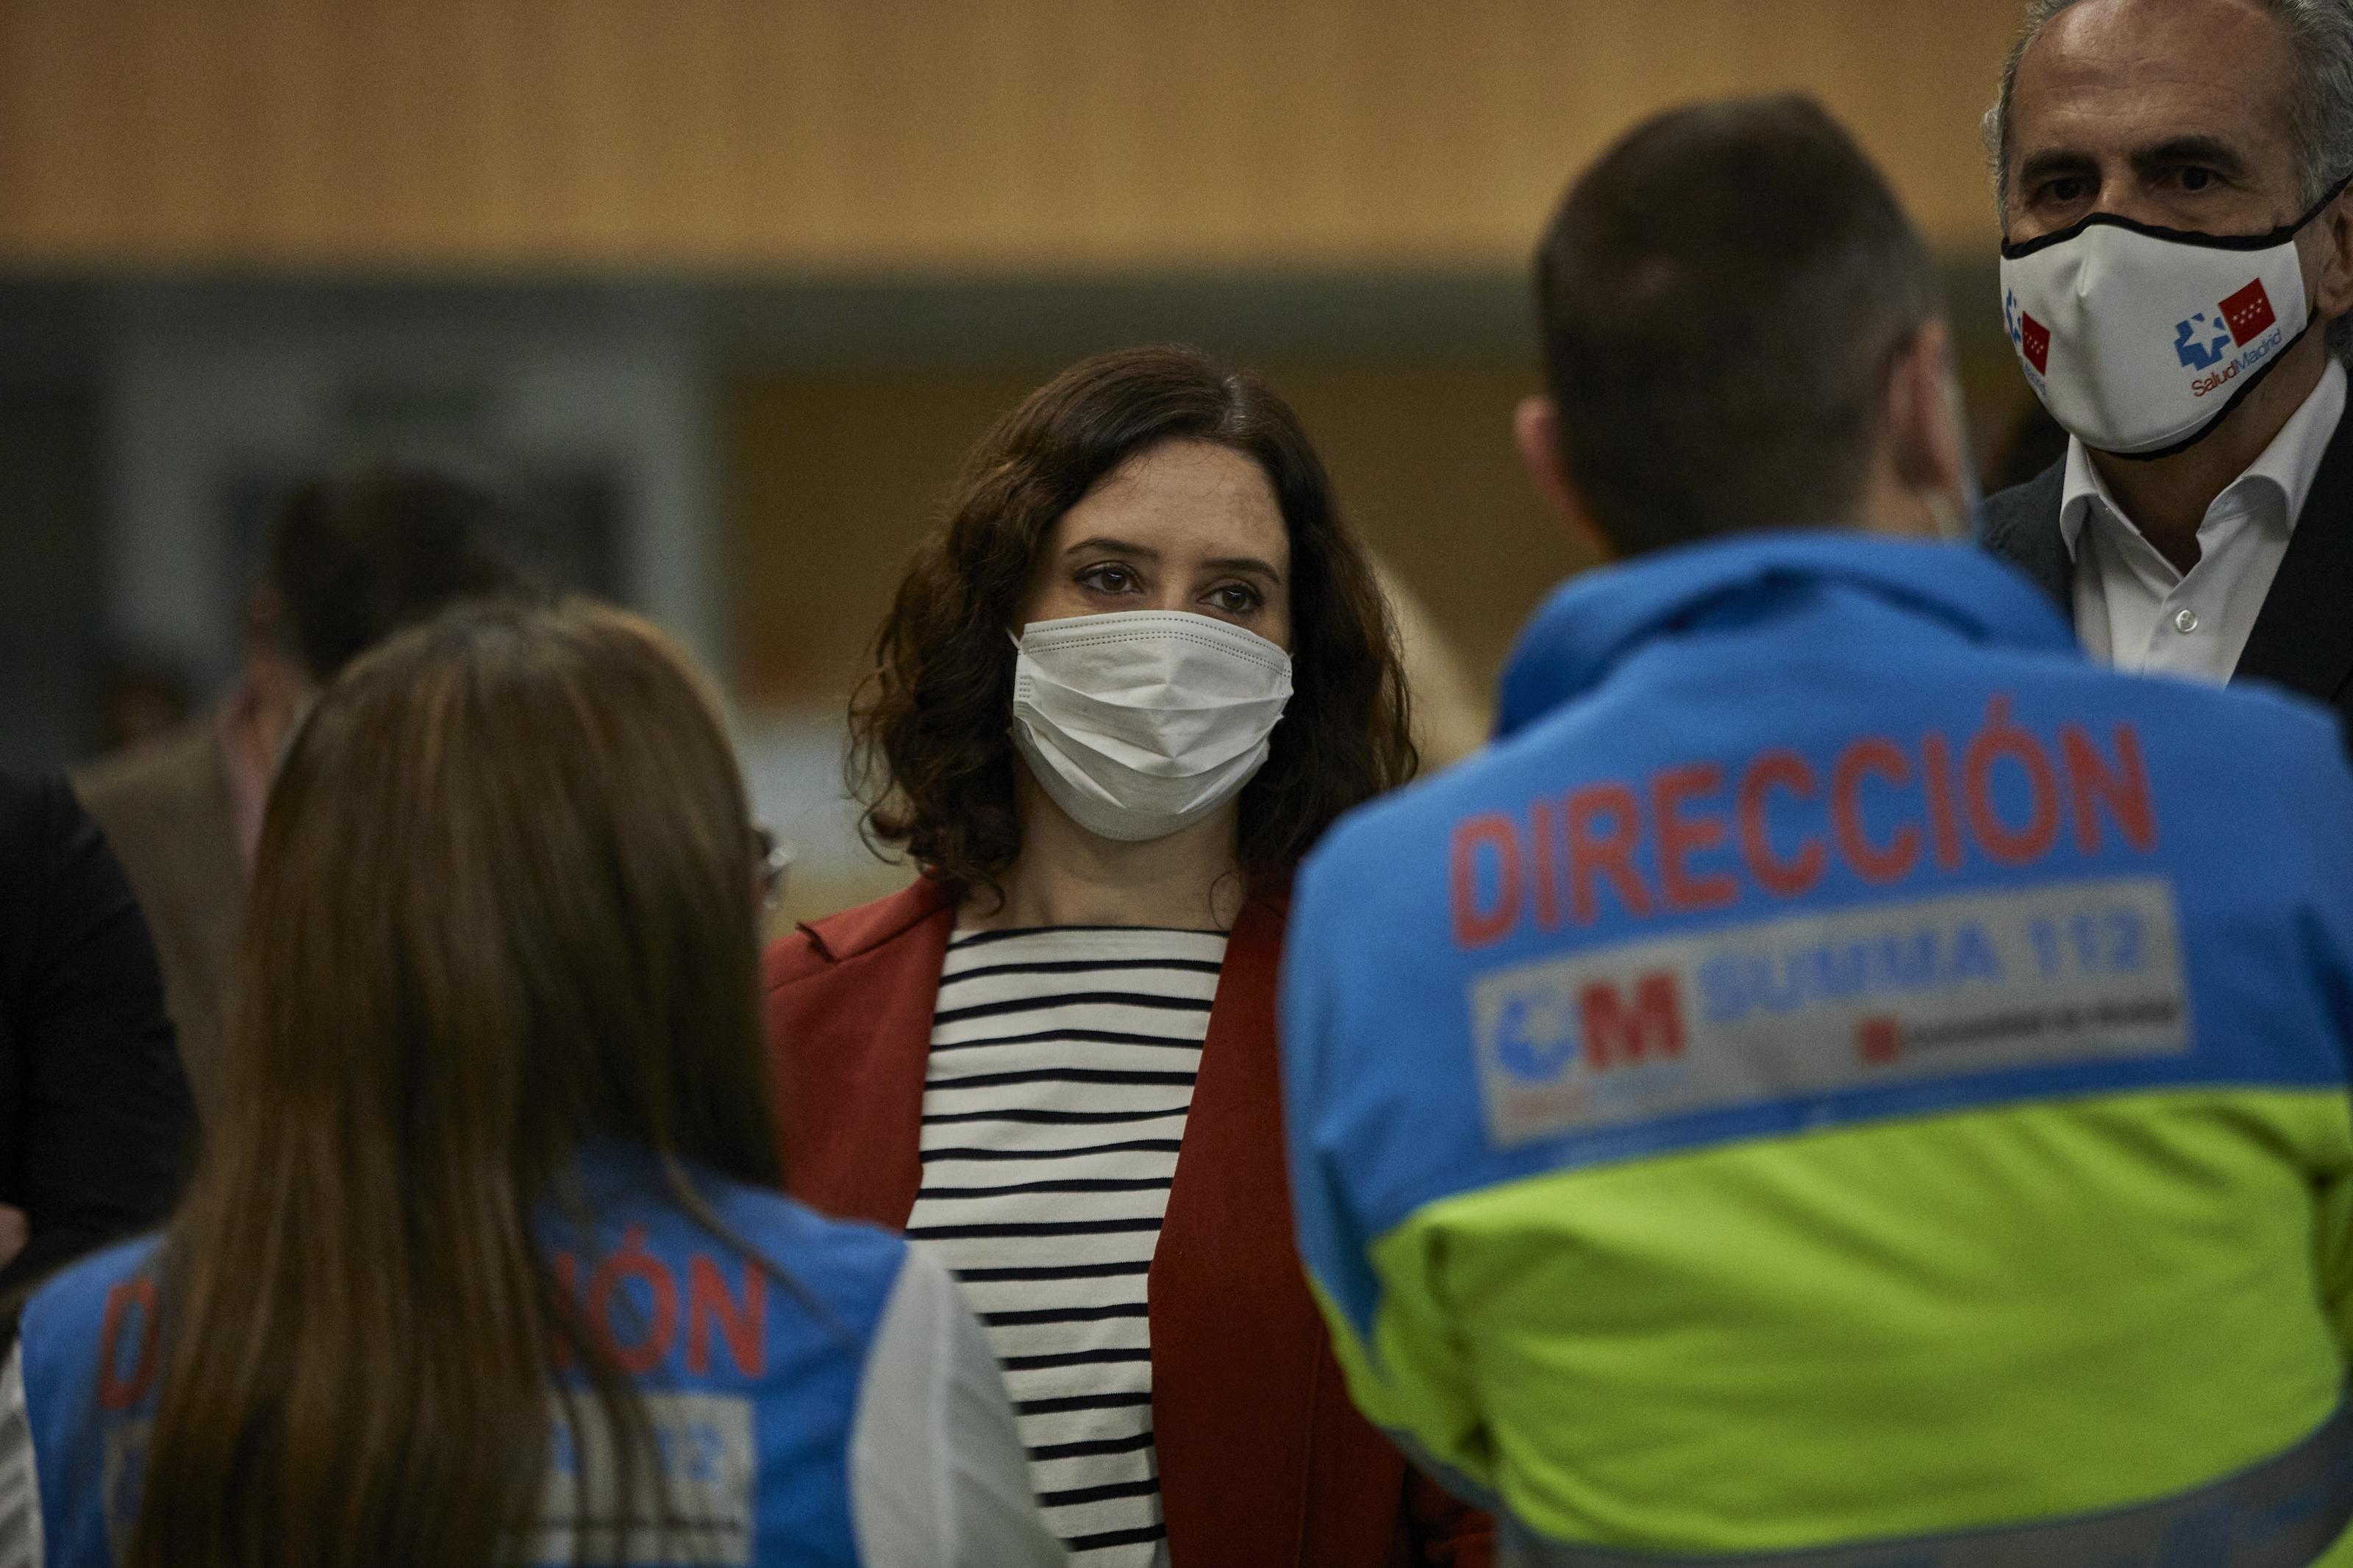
(482, 1261)
(1842, 1079)
(140, 699)
(95, 1121)
(1137, 673)
(350, 560)
(2176, 270)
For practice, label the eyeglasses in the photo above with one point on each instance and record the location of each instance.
(771, 858)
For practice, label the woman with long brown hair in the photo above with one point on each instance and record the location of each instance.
(482, 1265)
(1141, 667)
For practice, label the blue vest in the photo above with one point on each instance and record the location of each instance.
(750, 1385)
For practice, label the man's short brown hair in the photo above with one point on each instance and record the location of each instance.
(1723, 297)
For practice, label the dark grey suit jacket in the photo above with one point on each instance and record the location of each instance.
(166, 809)
(95, 1121)
(2303, 639)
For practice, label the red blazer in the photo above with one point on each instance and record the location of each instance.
(1262, 1458)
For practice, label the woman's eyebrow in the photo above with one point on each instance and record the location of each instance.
(1245, 563)
(1102, 542)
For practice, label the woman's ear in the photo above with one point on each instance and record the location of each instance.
(1536, 431)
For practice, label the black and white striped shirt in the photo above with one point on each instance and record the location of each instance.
(1060, 1072)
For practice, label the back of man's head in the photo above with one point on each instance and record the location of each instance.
(356, 556)
(1723, 296)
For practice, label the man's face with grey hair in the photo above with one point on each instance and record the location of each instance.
(2172, 113)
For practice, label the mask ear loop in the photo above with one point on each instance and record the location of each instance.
(2321, 205)
(1967, 520)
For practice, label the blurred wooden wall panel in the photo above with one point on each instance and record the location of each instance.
(836, 476)
(833, 479)
(921, 135)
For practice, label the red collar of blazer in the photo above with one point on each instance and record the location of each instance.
(849, 1011)
(1262, 1459)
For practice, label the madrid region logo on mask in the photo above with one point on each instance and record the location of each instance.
(2140, 339)
(2201, 341)
(2031, 337)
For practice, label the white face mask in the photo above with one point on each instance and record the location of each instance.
(1141, 723)
(2139, 339)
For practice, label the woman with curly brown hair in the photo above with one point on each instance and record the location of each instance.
(1138, 671)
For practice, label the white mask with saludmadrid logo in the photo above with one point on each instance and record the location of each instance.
(1146, 721)
(2139, 339)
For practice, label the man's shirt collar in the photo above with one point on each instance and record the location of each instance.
(2284, 468)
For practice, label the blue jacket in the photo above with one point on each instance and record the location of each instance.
(754, 1387)
(1841, 1068)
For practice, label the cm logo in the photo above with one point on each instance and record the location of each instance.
(1540, 1036)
